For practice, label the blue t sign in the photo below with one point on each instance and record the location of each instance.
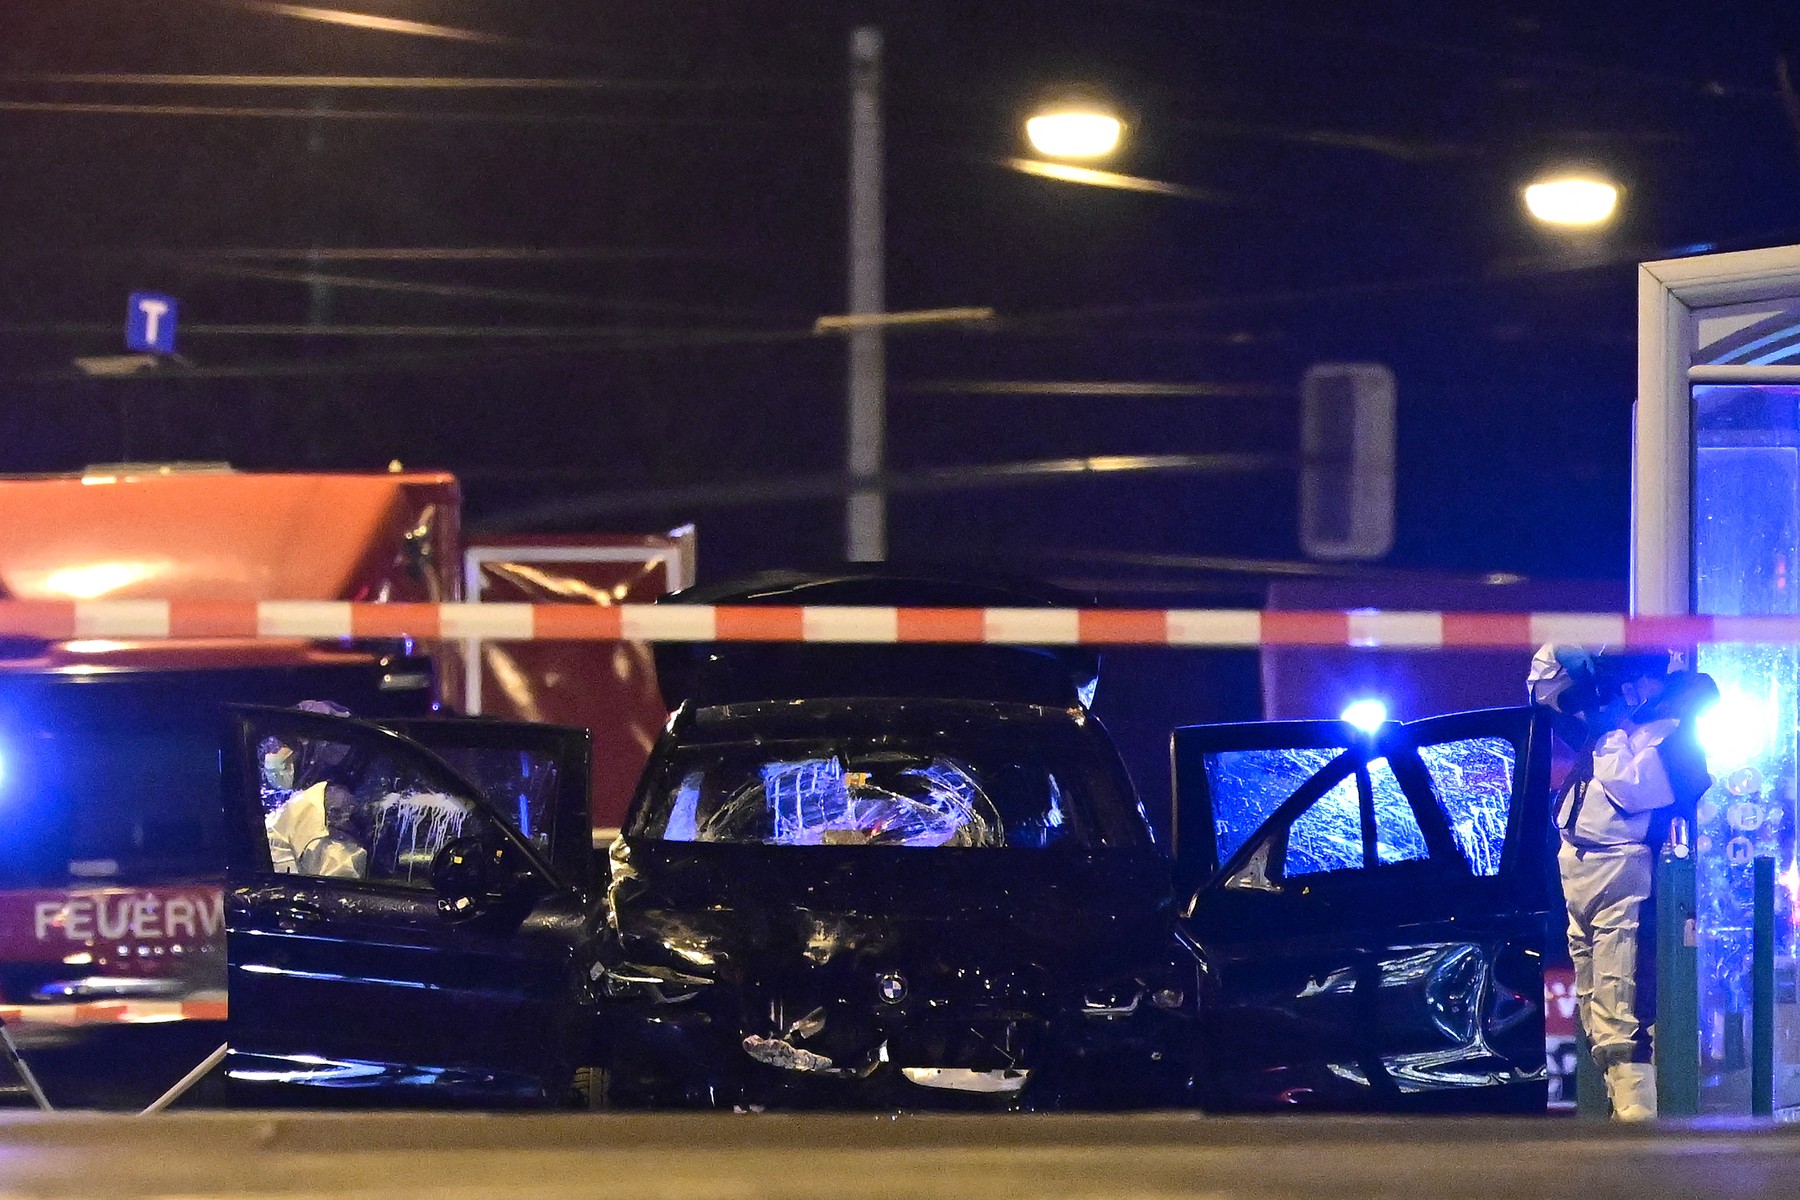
(150, 323)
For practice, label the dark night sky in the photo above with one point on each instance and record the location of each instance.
(1361, 163)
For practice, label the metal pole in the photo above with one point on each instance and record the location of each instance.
(865, 512)
(187, 1081)
(1762, 989)
(9, 1050)
(1677, 983)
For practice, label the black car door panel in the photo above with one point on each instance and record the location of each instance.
(344, 970)
(1369, 909)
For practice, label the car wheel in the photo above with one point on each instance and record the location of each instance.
(592, 1088)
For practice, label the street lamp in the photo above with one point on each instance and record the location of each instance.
(1074, 131)
(1572, 201)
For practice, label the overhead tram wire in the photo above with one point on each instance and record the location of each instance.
(458, 254)
(375, 23)
(370, 330)
(791, 489)
(465, 117)
(461, 291)
(1503, 271)
(1089, 388)
(631, 338)
(462, 83)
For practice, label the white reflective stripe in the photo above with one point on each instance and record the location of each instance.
(833, 623)
(1587, 629)
(1214, 627)
(303, 618)
(666, 622)
(1032, 626)
(1396, 629)
(121, 618)
(499, 622)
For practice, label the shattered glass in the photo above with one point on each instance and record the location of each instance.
(888, 800)
(1398, 837)
(1247, 786)
(410, 828)
(384, 815)
(1328, 835)
(1473, 780)
(889, 792)
(523, 784)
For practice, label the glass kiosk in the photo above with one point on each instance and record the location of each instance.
(1716, 531)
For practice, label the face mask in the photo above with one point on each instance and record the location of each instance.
(278, 769)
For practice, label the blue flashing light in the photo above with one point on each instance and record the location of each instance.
(1739, 730)
(1367, 714)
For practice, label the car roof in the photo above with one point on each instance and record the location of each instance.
(732, 673)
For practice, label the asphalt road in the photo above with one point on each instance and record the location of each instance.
(364, 1156)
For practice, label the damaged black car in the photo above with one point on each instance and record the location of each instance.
(890, 902)
(888, 876)
(892, 877)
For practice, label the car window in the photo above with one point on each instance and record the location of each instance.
(1472, 780)
(1247, 786)
(523, 784)
(882, 792)
(1328, 834)
(353, 809)
(1398, 837)
(871, 795)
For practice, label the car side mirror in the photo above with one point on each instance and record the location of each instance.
(473, 876)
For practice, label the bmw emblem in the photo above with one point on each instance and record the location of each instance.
(892, 986)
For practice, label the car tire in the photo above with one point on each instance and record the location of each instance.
(592, 1088)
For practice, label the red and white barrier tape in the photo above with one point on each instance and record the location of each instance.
(158, 619)
(201, 1006)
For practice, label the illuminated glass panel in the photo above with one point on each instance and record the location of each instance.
(1746, 548)
(1398, 837)
(1473, 780)
(1328, 835)
(1247, 786)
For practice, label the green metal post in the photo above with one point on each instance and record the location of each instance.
(1677, 984)
(1762, 989)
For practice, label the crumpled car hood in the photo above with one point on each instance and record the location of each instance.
(745, 912)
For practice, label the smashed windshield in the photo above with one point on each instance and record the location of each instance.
(1023, 789)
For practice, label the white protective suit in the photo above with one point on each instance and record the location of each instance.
(1607, 867)
(301, 843)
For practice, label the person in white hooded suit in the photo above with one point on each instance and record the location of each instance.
(1634, 765)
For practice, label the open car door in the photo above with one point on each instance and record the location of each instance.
(1369, 909)
(401, 926)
